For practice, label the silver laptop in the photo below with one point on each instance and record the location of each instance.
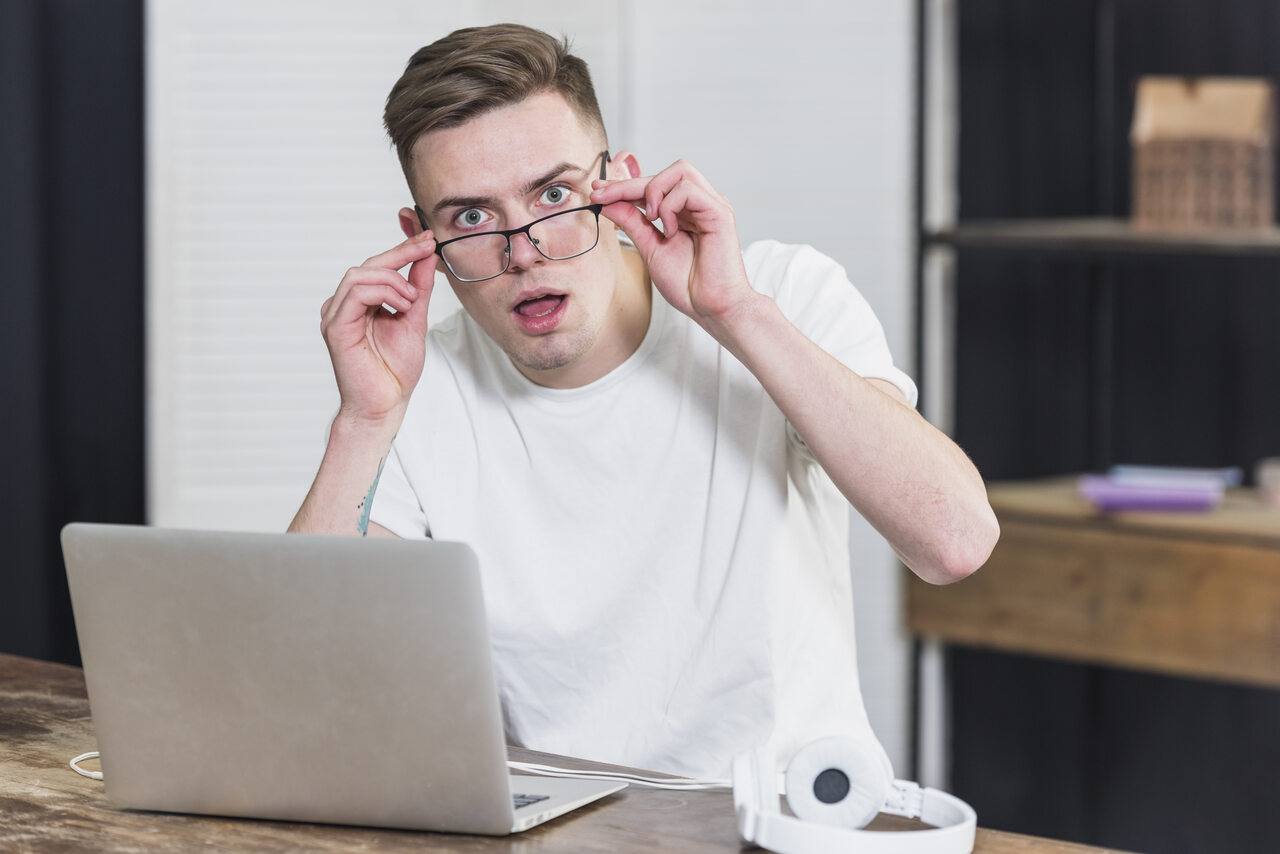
(306, 678)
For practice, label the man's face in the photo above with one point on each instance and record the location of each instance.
(557, 320)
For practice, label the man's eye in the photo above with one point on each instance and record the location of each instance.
(470, 218)
(555, 195)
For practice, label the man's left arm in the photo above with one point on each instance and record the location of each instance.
(901, 473)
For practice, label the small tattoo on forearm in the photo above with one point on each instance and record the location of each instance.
(362, 524)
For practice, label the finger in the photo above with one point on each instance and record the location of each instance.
(661, 184)
(376, 296)
(653, 196)
(672, 205)
(372, 275)
(667, 180)
(412, 249)
(634, 189)
(644, 234)
(355, 305)
(691, 175)
(681, 170)
(690, 207)
(626, 189)
(422, 275)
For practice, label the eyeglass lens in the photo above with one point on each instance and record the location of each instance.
(558, 237)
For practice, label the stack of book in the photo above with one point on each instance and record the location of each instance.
(1162, 488)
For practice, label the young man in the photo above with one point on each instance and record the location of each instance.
(650, 442)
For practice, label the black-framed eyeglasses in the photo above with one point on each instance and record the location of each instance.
(558, 237)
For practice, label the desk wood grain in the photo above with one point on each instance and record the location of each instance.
(1184, 594)
(46, 807)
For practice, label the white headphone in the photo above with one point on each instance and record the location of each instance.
(835, 786)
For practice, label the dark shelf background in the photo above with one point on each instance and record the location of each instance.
(1067, 364)
(71, 332)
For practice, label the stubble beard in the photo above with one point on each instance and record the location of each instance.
(552, 351)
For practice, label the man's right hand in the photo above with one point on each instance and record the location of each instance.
(378, 355)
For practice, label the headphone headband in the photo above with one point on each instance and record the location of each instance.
(760, 819)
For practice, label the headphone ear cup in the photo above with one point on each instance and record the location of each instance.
(838, 781)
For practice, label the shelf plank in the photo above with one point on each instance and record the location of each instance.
(1102, 236)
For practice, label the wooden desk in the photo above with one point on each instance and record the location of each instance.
(45, 806)
(1185, 594)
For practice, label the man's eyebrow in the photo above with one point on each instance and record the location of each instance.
(481, 201)
(460, 202)
(551, 175)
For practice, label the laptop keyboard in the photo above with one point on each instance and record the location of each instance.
(525, 800)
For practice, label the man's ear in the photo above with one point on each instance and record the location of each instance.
(409, 222)
(624, 165)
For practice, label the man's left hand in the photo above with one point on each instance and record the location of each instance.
(695, 259)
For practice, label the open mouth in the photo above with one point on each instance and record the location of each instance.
(540, 306)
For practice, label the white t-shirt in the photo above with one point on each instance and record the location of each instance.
(665, 567)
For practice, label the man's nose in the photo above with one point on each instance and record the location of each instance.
(523, 251)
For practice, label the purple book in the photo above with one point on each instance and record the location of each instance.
(1110, 496)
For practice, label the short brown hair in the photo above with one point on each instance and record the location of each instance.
(478, 69)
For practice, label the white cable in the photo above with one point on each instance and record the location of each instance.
(92, 775)
(675, 784)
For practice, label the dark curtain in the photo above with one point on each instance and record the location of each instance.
(71, 317)
(1066, 364)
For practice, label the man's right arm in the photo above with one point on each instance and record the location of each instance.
(377, 360)
(342, 493)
